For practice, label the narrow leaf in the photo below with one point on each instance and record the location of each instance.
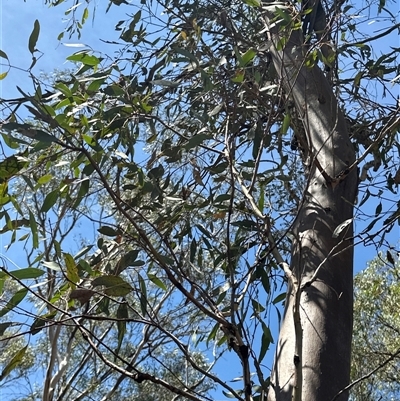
(50, 201)
(341, 227)
(4, 326)
(34, 230)
(28, 273)
(72, 270)
(14, 301)
(34, 36)
(3, 55)
(248, 57)
(143, 295)
(157, 281)
(109, 231)
(15, 361)
(122, 313)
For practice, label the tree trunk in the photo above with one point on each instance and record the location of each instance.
(312, 361)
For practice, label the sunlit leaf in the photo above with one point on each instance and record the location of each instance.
(285, 124)
(52, 265)
(157, 281)
(14, 301)
(72, 270)
(248, 57)
(27, 273)
(341, 227)
(15, 361)
(84, 58)
(252, 3)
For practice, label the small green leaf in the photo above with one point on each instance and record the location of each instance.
(14, 301)
(279, 298)
(239, 76)
(84, 58)
(257, 307)
(284, 14)
(261, 199)
(50, 201)
(266, 341)
(285, 124)
(27, 273)
(15, 361)
(281, 43)
(3, 55)
(341, 227)
(122, 313)
(34, 37)
(114, 285)
(187, 54)
(248, 57)
(143, 295)
(157, 281)
(252, 3)
(44, 179)
(72, 270)
(228, 394)
(108, 231)
(85, 15)
(11, 166)
(222, 198)
(213, 333)
(3, 75)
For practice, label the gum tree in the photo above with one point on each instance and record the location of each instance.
(220, 153)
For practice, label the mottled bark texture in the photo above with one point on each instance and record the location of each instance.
(326, 304)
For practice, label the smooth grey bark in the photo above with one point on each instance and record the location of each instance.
(322, 266)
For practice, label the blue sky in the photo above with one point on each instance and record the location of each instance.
(17, 18)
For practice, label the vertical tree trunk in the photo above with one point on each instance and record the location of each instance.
(312, 363)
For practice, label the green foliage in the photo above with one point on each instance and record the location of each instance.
(376, 343)
(166, 171)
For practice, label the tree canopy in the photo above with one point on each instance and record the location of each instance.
(165, 195)
(376, 347)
